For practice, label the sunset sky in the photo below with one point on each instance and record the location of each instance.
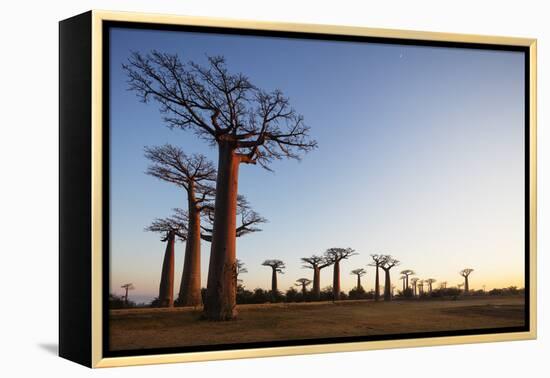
(421, 155)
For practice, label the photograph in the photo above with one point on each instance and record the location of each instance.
(284, 189)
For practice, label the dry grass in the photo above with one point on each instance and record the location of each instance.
(158, 328)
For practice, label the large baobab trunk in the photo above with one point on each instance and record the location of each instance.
(274, 290)
(466, 286)
(190, 287)
(316, 283)
(359, 282)
(387, 286)
(336, 281)
(166, 289)
(221, 294)
(377, 284)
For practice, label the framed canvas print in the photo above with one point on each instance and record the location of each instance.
(236, 189)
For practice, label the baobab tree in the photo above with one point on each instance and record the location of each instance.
(168, 229)
(376, 262)
(316, 263)
(126, 287)
(420, 287)
(430, 282)
(303, 283)
(388, 262)
(247, 124)
(443, 285)
(407, 273)
(414, 281)
(334, 256)
(403, 278)
(277, 266)
(465, 273)
(359, 273)
(196, 175)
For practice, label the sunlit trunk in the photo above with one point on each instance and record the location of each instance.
(166, 289)
(220, 301)
(190, 286)
(336, 281)
(316, 283)
(387, 286)
(274, 289)
(377, 285)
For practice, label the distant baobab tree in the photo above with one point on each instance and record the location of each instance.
(335, 255)
(388, 262)
(196, 175)
(443, 285)
(430, 282)
(126, 287)
(420, 287)
(303, 283)
(316, 263)
(241, 269)
(403, 278)
(407, 273)
(392, 290)
(168, 229)
(359, 273)
(465, 273)
(460, 285)
(277, 266)
(414, 281)
(376, 262)
(248, 125)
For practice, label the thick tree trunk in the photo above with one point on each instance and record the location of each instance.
(274, 290)
(316, 283)
(166, 289)
(358, 282)
(304, 290)
(387, 286)
(377, 284)
(220, 301)
(414, 288)
(407, 281)
(336, 281)
(403, 286)
(466, 286)
(190, 286)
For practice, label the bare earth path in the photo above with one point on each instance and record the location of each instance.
(158, 328)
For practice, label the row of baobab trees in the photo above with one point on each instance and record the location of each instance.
(333, 256)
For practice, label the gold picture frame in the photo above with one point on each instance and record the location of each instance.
(91, 328)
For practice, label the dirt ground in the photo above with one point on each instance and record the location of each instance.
(159, 328)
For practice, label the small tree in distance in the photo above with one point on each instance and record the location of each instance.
(414, 281)
(316, 263)
(303, 283)
(388, 263)
(359, 273)
(377, 262)
(335, 255)
(466, 273)
(277, 266)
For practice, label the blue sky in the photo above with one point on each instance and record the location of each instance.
(421, 153)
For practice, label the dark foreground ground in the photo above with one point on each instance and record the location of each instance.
(158, 328)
